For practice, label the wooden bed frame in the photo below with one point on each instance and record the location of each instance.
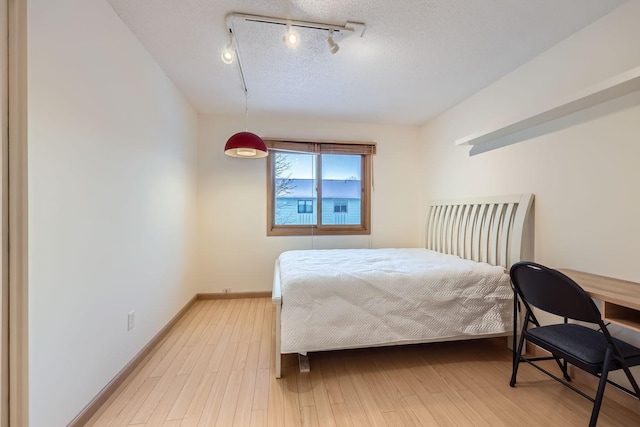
(495, 230)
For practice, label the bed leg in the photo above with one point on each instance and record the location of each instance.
(278, 366)
(277, 353)
(303, 362)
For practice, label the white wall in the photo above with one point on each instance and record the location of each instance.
(111, 186)
(111, 202)
(584, 172)
(235, 251)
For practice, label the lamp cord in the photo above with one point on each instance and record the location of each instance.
(235, 44)
(246, 110)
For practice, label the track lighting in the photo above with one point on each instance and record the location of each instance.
(291, 38)
(333, 46)
(228, 55)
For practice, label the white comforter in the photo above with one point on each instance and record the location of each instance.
(335, 299)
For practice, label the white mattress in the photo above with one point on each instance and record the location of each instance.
(335, 299)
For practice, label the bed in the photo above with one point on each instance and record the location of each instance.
(455, 288)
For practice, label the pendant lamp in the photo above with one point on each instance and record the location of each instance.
(246, 145)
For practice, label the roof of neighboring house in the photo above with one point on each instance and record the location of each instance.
(331, 189)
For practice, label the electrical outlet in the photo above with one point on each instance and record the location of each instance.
(226, 290)
(131, 320)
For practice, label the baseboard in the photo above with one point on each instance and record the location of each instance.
(92, 408)
(234, 295)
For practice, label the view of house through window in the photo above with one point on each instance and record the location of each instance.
(296, 188)
(313, 192)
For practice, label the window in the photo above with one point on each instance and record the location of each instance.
(305, 206)
(318, 188)
(339, 206)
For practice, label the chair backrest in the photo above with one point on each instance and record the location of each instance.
(553, 292)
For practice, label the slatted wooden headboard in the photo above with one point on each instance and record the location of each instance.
(495, 230)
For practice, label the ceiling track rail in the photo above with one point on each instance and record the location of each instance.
(350, 27)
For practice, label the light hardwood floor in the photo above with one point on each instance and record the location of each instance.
(215, 368)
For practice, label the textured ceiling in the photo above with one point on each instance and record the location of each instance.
(416, 59)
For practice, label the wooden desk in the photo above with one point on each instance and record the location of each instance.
(620, 298)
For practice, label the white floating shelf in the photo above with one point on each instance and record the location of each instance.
(607, 90)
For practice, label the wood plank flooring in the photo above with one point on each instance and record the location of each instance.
(215, 368)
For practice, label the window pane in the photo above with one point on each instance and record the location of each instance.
(296, 174)
(295, 189)
(341, 189)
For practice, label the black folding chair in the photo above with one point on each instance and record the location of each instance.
(594, 351)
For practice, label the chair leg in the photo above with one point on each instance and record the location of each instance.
(601, 385)
(566, 372)
(631, 379)
(563, 367)
(516, 361)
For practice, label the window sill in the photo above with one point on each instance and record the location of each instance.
(324, 231)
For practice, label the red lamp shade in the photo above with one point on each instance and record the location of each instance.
(246, 145)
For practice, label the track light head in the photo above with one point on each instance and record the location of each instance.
(333, 46)
(291, 38)
(228, 55)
